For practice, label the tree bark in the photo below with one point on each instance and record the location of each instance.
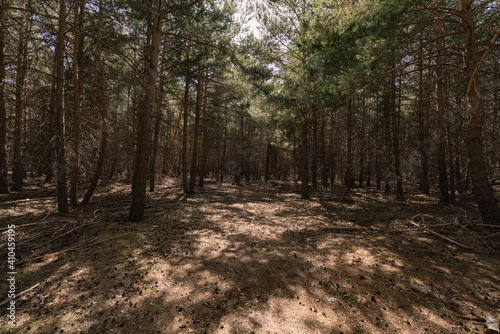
(21, 66)
(156, 138)
(4, 187)
(362, 146)
(62, 190)
(104, 114)
(304, 163)
(349, 174)
(443, 177)
(204, 145)
(141, 163)
(76, 130)
(395, 115)
(314, 164)
(185, 128)
(422, 135)
(196, 139)
(488, 205)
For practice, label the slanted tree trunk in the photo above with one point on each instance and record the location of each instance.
(141, 163)
(62, 190)
(104, 114)
(196, 139)
(4, 187)
(76, 130)
(443, 177)
(488, 205)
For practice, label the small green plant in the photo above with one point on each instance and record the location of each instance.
(154, 308)
(149, 290)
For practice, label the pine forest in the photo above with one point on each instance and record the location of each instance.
(250, 166)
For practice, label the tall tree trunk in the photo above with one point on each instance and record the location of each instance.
(379, 146)
(314, 164)
(451, 167)
(443, 177)
(224, 149)
(362, 146)
(268, 157)
(185, 128)
(422, 136)
(333, 149)
(76, 130)
(4, 187)
(104, 114)
(488, 205)
(21, 66)
(196, 139)
(324, 164)
(62, 190)
(395, 114)
(204, 140)
(349, 174)
(141, 163)
(304, 163)
(156, 138)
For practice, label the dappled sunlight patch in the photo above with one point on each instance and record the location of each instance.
(243, 259)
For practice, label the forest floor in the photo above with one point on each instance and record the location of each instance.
(250, 259)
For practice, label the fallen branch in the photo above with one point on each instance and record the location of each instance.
(488, 225)
(20, 294)
(470, 318)
(439, 235)
(87, 244)
(62, 235)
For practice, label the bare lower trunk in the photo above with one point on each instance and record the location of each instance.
(21, 66)
(4, 188)
(194, 159)
(349, 174)
(304, 163)
(185, 132)
(443, 177)
(77, 64)
(62, 190)
(395, 115)
(204, 145)
(156, 138)
(488, 205)
(146, 122)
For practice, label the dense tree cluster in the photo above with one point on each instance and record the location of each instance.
(367, 93)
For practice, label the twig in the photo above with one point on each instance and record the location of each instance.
(62, 235)
(488, 225)
(20, 294)
(439, 235)
(89, 243)
(470, 318)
